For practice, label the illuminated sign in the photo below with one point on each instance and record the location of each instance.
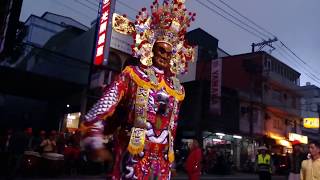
(72, 120)
(104, 34)
(298, 137)
(311, 122)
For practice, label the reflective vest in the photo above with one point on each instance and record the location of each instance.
(264, 163)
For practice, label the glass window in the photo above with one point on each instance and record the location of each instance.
(266, 63)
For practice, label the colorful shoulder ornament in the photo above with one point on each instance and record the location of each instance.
(147, 79)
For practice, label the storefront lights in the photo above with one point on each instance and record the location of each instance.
(72, 120)
(285, 143)
(298, 137)
(237, 137)
(275, 136)
(220, 134)
(216, 140)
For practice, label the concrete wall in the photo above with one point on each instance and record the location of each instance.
(58, 19)
(40, 30)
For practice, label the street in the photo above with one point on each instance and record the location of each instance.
(231, 177)
(179, 177)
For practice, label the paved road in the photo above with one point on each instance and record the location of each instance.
(180, 177)
(229, 177)
(248, 177)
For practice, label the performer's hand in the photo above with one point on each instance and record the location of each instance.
(101, 155)
(140, 124)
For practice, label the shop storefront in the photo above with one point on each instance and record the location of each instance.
(71, 122)
(237, 152)
(283, 145)
(278, 144)
(248, 154)
(280, 148)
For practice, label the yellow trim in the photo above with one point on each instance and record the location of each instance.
(171, 156)
(148, 85)
(135, 147)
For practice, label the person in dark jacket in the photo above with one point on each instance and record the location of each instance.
(295, 160)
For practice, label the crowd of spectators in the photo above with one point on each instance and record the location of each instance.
(15, 145)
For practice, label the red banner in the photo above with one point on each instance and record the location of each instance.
(215, 90)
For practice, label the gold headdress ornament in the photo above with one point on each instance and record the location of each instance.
(167, 23)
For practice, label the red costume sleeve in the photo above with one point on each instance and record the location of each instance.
(93, 125)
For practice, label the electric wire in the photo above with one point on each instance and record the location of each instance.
(239, 20)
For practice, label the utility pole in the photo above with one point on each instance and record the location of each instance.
(263, 44)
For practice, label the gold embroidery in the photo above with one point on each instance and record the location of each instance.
(138, 135)
(171, 128)
(148, 85)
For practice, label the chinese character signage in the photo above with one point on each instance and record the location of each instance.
(311, 123)
(215, 90)
(104, 32)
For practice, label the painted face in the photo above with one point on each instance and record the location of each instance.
(314, 150)
(162, 54)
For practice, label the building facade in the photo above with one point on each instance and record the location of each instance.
(39, 73)
(269, 101)
(310, 108)
(243, 101)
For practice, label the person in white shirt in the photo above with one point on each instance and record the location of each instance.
(48, 144)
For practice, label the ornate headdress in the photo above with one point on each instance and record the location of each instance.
(167, 23)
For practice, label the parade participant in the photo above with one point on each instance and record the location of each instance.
(310, 169)
(264, 164)
(193, 163)
(48, 145)
(149, 93)
(295, 160)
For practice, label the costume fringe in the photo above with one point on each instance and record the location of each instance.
(134, 150)
(171, 156)
(137, 141)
